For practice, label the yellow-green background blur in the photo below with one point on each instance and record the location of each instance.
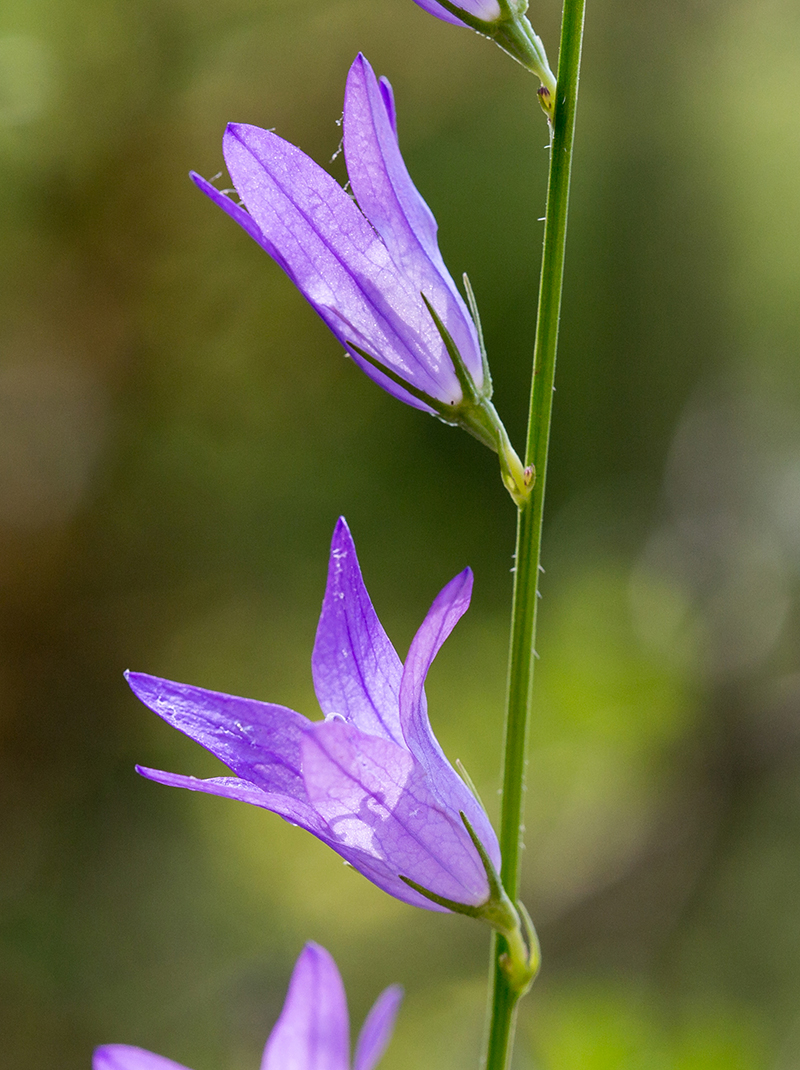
(178, 434)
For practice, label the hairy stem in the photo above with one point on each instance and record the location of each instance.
(503, 999)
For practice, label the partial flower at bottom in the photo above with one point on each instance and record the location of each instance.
(312, 1032)
(370, 780)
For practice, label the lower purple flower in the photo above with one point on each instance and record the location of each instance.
(312, 1032)
(370, 780)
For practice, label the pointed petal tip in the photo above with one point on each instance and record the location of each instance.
(393, 994)
(387, 93)
(315, 957)
(359, 75)
(342, 540)
(147, 772)
(457, 592)
(362, 61)
(313, 950)
(241, 131)
(203, 184)
(235, 132)
(141, 683)
(467, 577)
(160, 776)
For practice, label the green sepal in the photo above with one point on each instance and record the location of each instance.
(398, 380)
(477, 415)
(462, 772)
(451, 904)
(488, 388)
(465, 380)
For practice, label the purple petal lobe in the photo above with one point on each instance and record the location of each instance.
(356, 670)
(243, 218)
(338, 261)
(257, 740)
(441, 13)
(377, 1029)
(295, 811)
(312, 1032)
(124, 1057)
(388, 100)
(391, 202)
(377, 171)
(448, 607)
(376, 799)
(487, 10)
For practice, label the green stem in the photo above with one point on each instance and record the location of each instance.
(503, 999)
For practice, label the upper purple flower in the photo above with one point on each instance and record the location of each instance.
(370, 780)
(312, 1032)
(505, 23)
(363, 264)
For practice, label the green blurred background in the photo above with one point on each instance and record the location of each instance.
(178, 434)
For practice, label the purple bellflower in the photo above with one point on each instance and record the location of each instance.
(312, 1032)
(370, 780)
(370, 267)
(505, 22)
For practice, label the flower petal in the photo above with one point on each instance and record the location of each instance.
(487, 10)
(295, 811)
(375, 167)
(441, 13)
(356, 670)
(257, 740)
(388, 101)
(391, 202)
(376, 800)
(312, 1032)
(240, 216)
(448, 607)
(338, 262)
(124, 1057)
(377, 1029)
